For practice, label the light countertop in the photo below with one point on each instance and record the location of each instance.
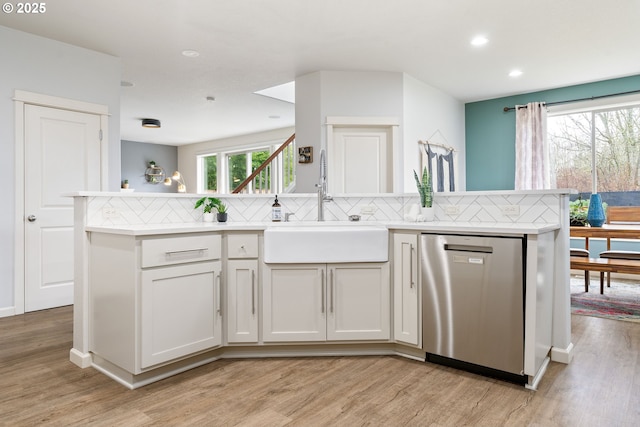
(424, 227)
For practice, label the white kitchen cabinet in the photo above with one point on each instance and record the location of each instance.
(154, 299)
(242, 288)
(320, 302)
(179, 311)
(358, 298)
(294, 303)
(242, 301)
(406, 289)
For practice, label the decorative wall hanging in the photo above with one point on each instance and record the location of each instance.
(305, 154)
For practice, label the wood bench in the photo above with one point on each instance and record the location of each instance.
(605, 265)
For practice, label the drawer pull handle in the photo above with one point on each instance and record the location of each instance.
(253, 292)
(411, 266)
(331, 300)
(322, 292)
(199, 250)
(219, 294)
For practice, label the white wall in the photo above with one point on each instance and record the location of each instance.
(340, 93)
(36, 64)
(420, 109)
(429, 111)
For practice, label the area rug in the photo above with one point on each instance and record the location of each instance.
(620, 302)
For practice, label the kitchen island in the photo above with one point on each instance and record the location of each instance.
(155, 299)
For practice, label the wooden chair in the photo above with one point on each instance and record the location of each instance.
(621, 214)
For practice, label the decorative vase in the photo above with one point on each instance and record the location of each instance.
(222, 217)
(428, 214)
(595, 214)
(207, 217)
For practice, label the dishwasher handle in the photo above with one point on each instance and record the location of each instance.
(468, 248)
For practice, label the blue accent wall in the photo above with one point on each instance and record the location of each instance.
(490, 132)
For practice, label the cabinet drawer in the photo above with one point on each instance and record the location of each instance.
(181, 249)
(242, 246)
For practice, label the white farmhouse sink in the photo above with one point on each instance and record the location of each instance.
(326, 243)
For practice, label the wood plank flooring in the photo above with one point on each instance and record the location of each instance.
(39, 386)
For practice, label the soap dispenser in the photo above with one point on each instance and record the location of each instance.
(276, 211)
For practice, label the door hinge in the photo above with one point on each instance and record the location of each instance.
(100, 135)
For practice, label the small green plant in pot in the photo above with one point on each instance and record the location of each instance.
(425, 190)
(222, 212)
(207, 204)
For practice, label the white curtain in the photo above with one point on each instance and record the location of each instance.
(532, 152)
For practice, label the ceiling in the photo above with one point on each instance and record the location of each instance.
(249, 45)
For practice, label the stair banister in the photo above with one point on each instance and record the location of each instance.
(260, 168)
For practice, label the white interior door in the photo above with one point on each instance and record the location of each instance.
(360, 161)
(62, 155)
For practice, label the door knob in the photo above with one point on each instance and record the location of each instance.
(31, 218)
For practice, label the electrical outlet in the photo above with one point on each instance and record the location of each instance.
(510, 210)
(452, 210)
(110, 212)
(368, 210)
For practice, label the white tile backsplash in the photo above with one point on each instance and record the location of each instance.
(480, 207)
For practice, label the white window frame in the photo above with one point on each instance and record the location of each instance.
(594, 107)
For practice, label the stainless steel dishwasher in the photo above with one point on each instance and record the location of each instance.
(473, 303)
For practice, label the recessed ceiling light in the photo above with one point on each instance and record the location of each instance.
(515, 73)
(274, 117)
(191, 53)
(210, 98)
(125, 84)
(479, 41)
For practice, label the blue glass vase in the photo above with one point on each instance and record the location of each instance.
(595, 214)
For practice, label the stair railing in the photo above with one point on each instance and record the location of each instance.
(263, 171)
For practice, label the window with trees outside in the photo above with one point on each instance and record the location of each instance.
(223, 171)
(241, 165)
(597, 150)
(210, 173)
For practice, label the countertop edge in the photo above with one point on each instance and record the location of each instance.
(445, 227)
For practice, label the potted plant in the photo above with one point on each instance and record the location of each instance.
(207, 203)
(578, 212)
(222, 212)
(125, 184)
(425, 189)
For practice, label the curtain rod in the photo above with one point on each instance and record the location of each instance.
(505, 109)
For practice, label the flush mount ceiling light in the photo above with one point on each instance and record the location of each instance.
(479, 41)
(150, 123)
(515, 73)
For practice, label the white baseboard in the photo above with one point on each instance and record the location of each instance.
(562, 355)
(7, 311)
(80, 359)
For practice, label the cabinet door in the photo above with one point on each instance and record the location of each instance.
(406, 289)
(179, 311)
(358, 296)
(242, 301)
(294, 303)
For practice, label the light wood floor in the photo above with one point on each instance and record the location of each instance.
(39, 386)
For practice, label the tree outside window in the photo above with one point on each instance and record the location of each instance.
(607, 141)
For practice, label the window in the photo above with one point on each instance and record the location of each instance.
(241, 165)
(222, 172)
(210, 173)
(604, 140)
